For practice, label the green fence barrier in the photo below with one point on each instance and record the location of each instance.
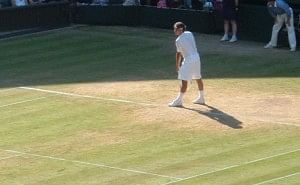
(107, 15)
(255, 23)
(199, 21)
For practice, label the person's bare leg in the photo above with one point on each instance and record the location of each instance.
(234, 31)
(183, 86)
(234, 27)
(226, 31)
(226, 27)
(200, 98)
(200, 84)
(179, 99)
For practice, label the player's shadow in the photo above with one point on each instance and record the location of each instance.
(219, 116)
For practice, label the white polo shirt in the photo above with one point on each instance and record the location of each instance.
(191, 65)
(185, 44)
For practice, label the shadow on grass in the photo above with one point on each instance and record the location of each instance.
(91, 54)
(219, 116)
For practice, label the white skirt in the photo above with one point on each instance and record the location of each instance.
(190, 68)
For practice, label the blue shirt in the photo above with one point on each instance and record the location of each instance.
(281, 7)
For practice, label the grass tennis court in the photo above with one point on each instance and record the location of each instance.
(88, 105)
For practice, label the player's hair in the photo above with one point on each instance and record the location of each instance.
(180, 25)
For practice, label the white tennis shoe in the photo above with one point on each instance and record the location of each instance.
(176, 103)
(269, 46)
(199, 100)
(233, 39)
(224, 38)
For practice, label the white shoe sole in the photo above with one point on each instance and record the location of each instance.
(269, 46)
(175, 103)
(200, 103)
(224, 40)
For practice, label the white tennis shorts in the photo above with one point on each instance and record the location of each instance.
(190, 68)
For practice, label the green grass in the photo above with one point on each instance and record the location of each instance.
(130, 136)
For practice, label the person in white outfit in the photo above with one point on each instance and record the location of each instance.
(282, 13)
(188, 64)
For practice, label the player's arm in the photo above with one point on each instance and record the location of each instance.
(179, 59)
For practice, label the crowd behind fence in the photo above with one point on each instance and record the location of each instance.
(20, 3)
(181, 4)
(84, 12)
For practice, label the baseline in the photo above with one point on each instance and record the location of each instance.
(92, 164)
(39, 32)
(25, 101)
(124, 101)
(87, 96)
(9, 157)
(8, 89)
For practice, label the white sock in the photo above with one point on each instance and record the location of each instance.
(201, 94)
(180, 96)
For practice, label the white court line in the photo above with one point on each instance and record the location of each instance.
(92, 164)
(279, 178)
(9, 157)
(107, 99)
(25, 101)
(233, 166)
(38, 32)
(8, 89)
(125, 101)
(87, 96)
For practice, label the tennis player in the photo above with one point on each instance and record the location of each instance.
(188, 64)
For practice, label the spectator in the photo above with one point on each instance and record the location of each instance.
(217, 4)
(84, 2)
(175, 3)
(162, 4)
(131, 3)
(187, 4)
(100, 2)
(282, 13)
(31, 2)
(19, 2)
(208, 5)
(230, 8)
